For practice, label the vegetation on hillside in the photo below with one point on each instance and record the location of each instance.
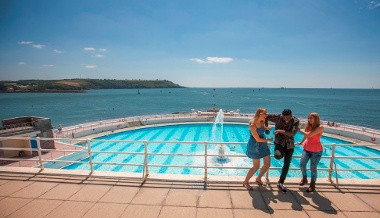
(82, 84)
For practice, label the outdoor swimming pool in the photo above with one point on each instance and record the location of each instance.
(206, 132)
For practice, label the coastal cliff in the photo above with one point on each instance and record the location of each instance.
(81, 85)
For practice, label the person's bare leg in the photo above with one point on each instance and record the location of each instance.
(251, 172)
(263, 169)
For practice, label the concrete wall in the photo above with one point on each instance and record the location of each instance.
(41, 124)
(44, 125)
(361, 136)
(14, 143)
(176, 120)
(143, 122)
(98, 130)
(194, 119)
(153, 121)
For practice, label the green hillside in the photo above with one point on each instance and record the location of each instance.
(82, 84)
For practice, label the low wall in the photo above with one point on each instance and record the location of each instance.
(165, 120)
(98, 130)
(15, 143)
(237, 119)
(360, 136)
(144, 122)
(175, 120)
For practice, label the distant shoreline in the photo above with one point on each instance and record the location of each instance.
(80, 85)
(46, 91)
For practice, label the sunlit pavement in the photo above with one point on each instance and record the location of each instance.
(33, 194)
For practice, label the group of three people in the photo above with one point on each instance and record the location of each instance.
(286, 126)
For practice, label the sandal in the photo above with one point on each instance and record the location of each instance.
(261, 183)
(247, 186)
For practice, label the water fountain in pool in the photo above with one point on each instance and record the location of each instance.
(217, 135)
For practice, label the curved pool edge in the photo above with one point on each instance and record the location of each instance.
(356, 134)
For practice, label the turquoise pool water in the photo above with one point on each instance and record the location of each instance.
(204, 132)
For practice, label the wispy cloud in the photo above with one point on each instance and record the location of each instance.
(47, 65)
(373, 4)
(57, 51)
(102, 49)
(98, 56)
(38, 46)
(212, 60)
(89, 49)
(21, 62)
(25, 42)
(90, 66)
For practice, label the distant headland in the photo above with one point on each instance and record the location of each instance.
(80, 85)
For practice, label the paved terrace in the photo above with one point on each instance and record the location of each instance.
(49, 194)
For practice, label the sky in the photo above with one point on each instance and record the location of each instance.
(194, 43)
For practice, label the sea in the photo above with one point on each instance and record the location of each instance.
(359, 107)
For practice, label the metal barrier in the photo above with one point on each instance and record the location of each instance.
(86, 148)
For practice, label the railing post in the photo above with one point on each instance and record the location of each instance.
(90, 156)
(332, 160)
(205, 167)
(146, 169)
(39, 153)
(267, 173)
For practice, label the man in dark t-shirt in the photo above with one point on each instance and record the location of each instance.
(286, 127)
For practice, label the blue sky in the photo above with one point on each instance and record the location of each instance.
(207, 43)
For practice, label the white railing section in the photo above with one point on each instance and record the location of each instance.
(89, 152)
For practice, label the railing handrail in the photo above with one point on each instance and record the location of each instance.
(146, 164)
